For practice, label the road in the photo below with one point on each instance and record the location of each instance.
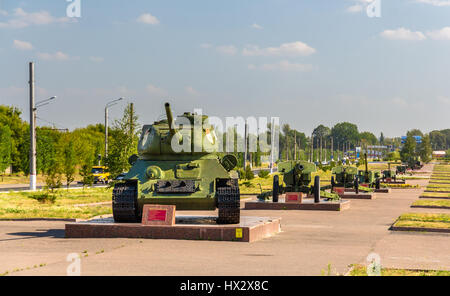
(26, 187)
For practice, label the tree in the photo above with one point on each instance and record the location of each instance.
(344, 132)
(438, 140)
(124, 142)
(10, 116)
(5, 148)
(414, 132)
(369, 138)
(425, 149)
(381, 138)
(86, 173)
(320, 133)
(69, 162)
(409, 149)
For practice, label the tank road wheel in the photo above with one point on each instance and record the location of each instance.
(229, 203)
(317, 189)
(276, 188)
(124, 203)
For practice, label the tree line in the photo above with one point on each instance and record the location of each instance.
(66, 154)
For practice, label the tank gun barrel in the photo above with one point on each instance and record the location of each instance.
(170, 118)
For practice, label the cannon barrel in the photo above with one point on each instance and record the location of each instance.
(170, 118)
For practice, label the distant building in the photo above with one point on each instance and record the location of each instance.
(439, 154)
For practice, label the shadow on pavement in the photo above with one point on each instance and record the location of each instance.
(53, 233)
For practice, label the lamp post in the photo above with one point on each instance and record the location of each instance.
(33, 108)
(112, 103)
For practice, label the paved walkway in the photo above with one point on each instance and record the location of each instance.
(309, 242)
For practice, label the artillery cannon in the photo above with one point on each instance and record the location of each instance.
(371, 178)
(195, 178)
(297, 177)
(344, 176)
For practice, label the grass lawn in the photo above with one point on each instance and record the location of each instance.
(436, 194)
(19, 179)
(432, 202)
(387, 185)
(361, 270)
(419, 220)
(24, 205)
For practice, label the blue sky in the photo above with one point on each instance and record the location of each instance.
(307, 62)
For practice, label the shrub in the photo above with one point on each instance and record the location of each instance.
(263, 174)
(44, 197)
(249, 173)
(241, 174)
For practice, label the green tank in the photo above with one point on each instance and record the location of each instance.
(191, 180)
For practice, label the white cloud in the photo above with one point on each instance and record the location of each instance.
(22, 19)
(403, 34)
(438, 3)
(191, 91)
(287, 49)
(399, 101)
(355, 8)
(147, 18)
(284, 66)
(57, 56)
(227, 49)
(96, 59)
(22, 45)
(442, 34)
(156, 91)
(206, 45)
(256, 26)
(444, 100)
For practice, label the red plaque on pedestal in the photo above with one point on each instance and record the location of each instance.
(158, 215)
(295, 197)
(339, 190)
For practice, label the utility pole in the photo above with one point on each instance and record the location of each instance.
(332, 150)
(114, 102)
(295, 145)
(272, 144)
(245, 144)
(32, 130)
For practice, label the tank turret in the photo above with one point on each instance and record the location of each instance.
(194, 135)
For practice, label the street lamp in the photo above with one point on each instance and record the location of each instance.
(33, 108)
(112, 103)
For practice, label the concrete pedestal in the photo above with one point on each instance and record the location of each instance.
(186, 228)
(306, 205)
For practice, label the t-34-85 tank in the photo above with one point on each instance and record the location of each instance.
(192, 179)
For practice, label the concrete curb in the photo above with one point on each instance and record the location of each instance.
(430, 207)
(419, 229)
(434, 197)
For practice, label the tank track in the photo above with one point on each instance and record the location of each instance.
(229, 204)
(124, 203)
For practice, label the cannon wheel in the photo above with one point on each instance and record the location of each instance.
(377, 184)
(356, 184)
(317, 189)
(333, 183)
(276, 188)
